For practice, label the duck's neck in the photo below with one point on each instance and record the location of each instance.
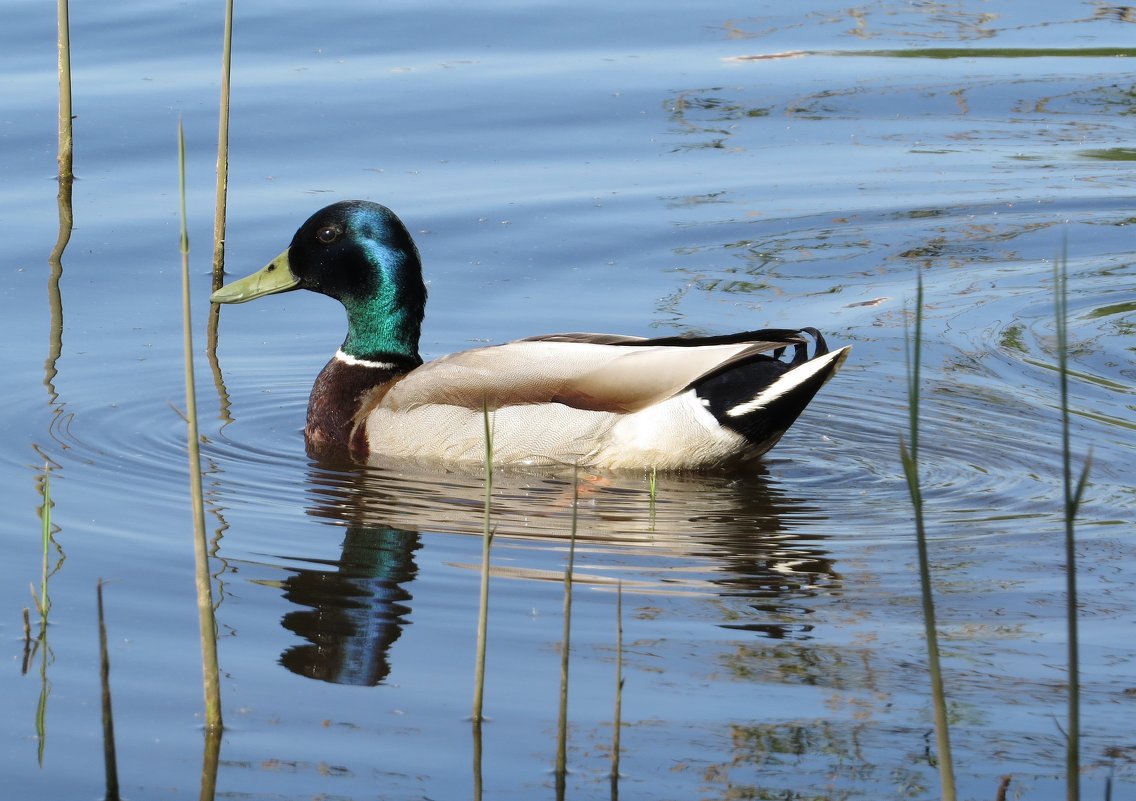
(342, 389)
(381, 344)
(381, 329)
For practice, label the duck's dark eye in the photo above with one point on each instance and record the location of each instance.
(327, 234)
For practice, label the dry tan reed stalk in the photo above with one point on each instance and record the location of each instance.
(211, 679)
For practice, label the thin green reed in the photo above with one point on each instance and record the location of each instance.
(483, 601)
(1072, 501)
(43, 606)
(909, 456)
(43, 603)
(210, 673)
(653, 492)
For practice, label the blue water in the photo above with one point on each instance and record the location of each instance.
(635, 169)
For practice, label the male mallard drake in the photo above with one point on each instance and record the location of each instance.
(598, 400)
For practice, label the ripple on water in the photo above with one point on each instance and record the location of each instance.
(139, 444)
(989, 427)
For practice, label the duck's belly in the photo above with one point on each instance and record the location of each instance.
(676, 434)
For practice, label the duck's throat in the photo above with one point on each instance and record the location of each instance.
(382, 332)
(381, 345)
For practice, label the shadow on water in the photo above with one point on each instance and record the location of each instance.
(353, 608)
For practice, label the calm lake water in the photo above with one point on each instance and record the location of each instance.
(637, 168)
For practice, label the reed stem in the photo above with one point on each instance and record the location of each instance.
(617, 716)
(1072, 500)
(27, 642)
(477, 777)
(483, 599)
(210, 762)
(65, 155)
(653, 489)
(207, 624)
(566, 644)
(44, 602)
(43, 606)
(221, 205)
(109, 757)
(909, 456)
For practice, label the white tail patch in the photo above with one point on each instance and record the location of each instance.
(347, 358)
(790, 381)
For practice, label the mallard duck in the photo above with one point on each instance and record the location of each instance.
(598, 400)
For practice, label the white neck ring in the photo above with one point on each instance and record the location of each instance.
(354, 361)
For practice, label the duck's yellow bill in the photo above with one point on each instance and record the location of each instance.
(275, 277)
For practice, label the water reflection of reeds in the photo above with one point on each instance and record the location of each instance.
(54, 294)
(39, 643)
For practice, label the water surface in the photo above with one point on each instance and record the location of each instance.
(635, 169)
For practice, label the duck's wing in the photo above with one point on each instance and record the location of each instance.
(594, 372)
(604, 400)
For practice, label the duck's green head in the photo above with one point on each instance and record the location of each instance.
(361, 254)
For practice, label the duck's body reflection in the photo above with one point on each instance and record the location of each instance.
(354, 608)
